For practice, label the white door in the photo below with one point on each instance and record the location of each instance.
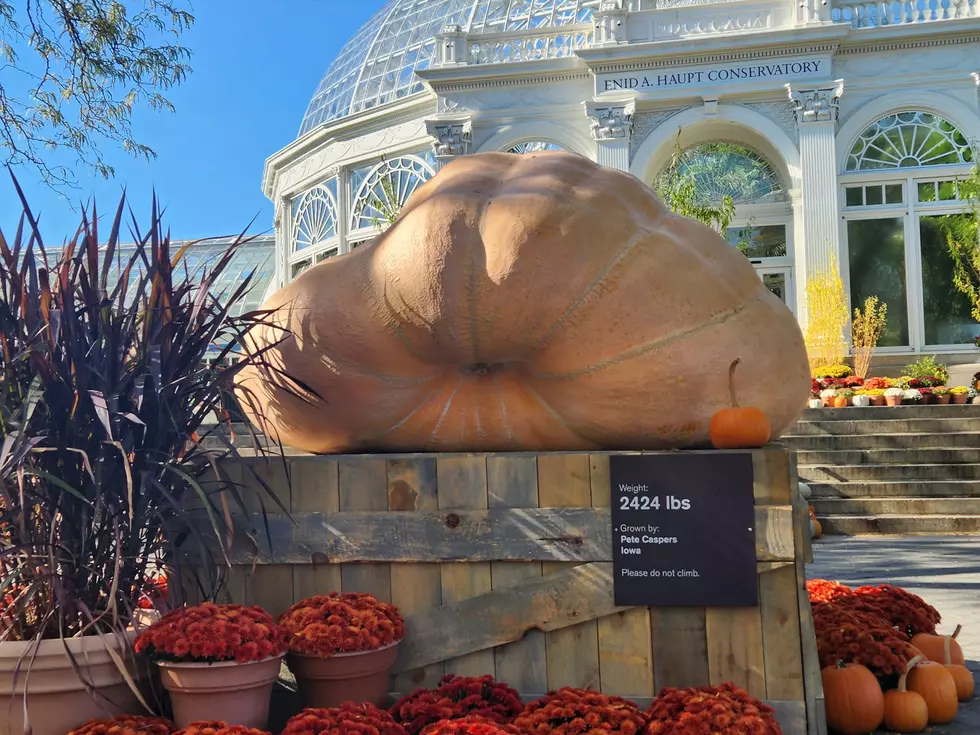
(779, 280)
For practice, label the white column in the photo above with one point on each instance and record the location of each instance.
(451, 136)
(612, 128)
(343, 208)
(816, 114)
(283, 225)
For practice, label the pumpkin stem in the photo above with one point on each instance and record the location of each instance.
(908, 667)
(731, 381)
(956, 632)
(946, 659)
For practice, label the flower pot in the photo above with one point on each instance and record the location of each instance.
(861, 401)
(236, 693)
(893, 400)
(960, 398)
(927, 398)
(942, 400)
(842, 402)
(360, 676)
(877, 400)
(815, 403)
(57, 698)
(828, 402)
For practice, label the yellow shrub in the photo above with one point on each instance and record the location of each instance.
(827, 316)
(866, 329)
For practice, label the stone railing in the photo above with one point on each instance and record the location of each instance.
(683, 20)
(455, 46)
(902, 12)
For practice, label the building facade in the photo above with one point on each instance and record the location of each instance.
(838, 129)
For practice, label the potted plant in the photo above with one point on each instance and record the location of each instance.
(960, 394)
(349, 717)
(456, 697)
(941, 394)
(126, 725)
(341, 647)
(878, 383)
(893, 396)
(815, 400)
(861, 398)
(828, 395)
(876, 396)
(105, 472)
(843, 397)
(912, 395)
(925, 395)
(218, 662)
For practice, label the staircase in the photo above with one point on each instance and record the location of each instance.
(891, 470)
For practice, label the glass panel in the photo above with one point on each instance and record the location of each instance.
(776, 283)
(876, 259)
(909, 140)
(873, 195)
(320, 257)
(945, 308)
(947, 191)
(893, 194)
(765, 241)
(534, 146)
(299, 267)
(854, 196)
(722, 169)
(927, 191)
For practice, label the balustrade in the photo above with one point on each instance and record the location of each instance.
(902, 12)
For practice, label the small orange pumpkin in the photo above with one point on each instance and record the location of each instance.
(817, 528)
(852, 698)
(934, 682)
(841, 401)
(738, 427)
(962, 676)
(933, 647)
(906, 711)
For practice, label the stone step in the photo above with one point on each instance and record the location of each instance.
(892, 426)
(848, 525)
(891, 413)
(896, 506)
(885, 489)
(859, 472)
(901, 440)
(937, 455)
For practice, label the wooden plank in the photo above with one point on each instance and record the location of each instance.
(734, 644)
(771, 476)
(625, 647)
(791, 716)
(463, 485)
(576, 534)
(415, 587)
(512, 482)
(549, 603)
(780, 634)
(680, 650)
(564, 480)
(316, 489)
(364, 487)
(269, 586)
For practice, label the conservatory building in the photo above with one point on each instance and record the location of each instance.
(838, 129)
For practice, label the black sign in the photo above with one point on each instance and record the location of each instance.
(683, 529)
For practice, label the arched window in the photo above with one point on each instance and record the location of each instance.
(909, 140)
(722, 168)
(900, 194)
(315, 216)
(534, 146)
(379, 192)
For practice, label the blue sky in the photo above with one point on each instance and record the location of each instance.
(256, 66)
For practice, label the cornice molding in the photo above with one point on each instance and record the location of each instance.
(483, 76)
(871, 47)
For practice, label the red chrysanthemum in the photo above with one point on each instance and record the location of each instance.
(353, 621)
(126, 725)
(571, 711)
(822, 590)
(721, 710)
(347, 719)
(856, 636)
(457, 697)
(217, 727)
(904, 610)
(470, 725)
(210, 632)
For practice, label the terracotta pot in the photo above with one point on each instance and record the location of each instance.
(237, 693)
(877, 400)
(942, 400)
(927, 398)
(893, 400)
(960, 398)
(361, 676)
(57, 698)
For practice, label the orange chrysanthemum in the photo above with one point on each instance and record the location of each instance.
(347, 719)
(571, 711)
(217, 727)
(456, 697)
(336, 623)
(126, 725)
(721, 710)
(470, 725)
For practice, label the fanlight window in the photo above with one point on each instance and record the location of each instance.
(721, 169)
(315, 216)
(909, 140)
(380, 192)
(534, 146)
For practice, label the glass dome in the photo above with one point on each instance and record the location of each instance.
(378, 64)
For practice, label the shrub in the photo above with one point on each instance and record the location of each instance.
(866, 329)
(833, 371)
(826, 317)
(927, 367)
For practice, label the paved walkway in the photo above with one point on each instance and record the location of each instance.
(943, 570)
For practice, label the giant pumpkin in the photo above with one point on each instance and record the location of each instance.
(537, 302)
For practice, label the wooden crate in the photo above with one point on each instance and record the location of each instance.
(502, 565)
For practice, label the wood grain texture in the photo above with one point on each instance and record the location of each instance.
(316, 489)
(771, 480)
(512, 482)
(564, 480)
(625, 647)
(462, 483)
(415, 587)
(734, 644)
(680, 647)
(364, 487)
(780, 633)
(549, 603)
(269, 586)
